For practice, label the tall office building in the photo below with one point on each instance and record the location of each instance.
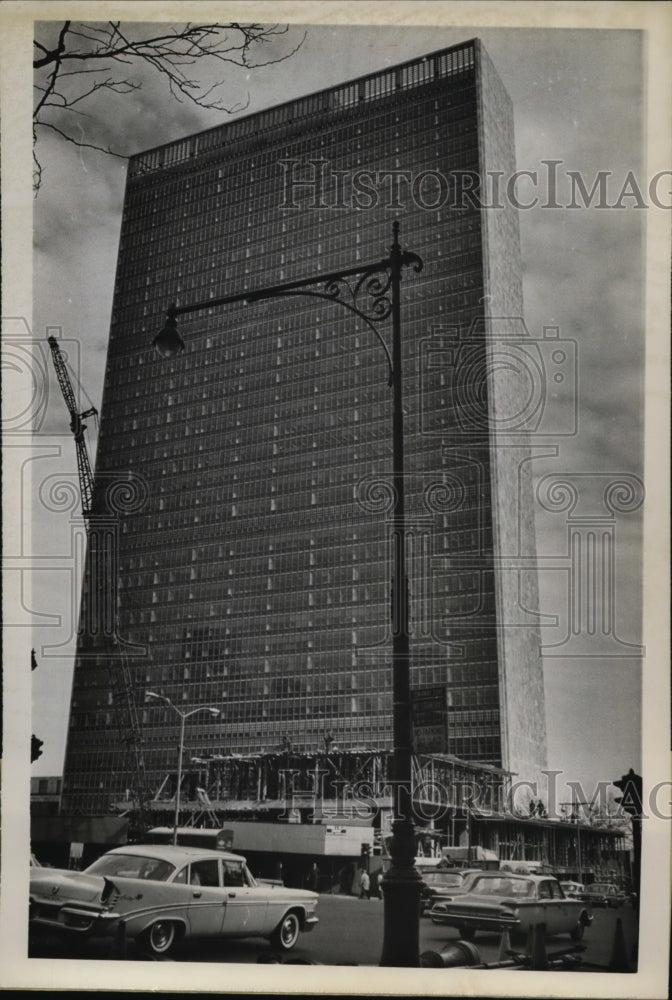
(247, 567)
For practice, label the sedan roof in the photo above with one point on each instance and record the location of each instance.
(176, 854)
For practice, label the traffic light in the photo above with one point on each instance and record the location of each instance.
(631, 786)
(35, 748)
(365, 850)
(631, 801)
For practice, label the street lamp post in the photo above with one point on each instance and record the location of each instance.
(180, 750)
(372, 293)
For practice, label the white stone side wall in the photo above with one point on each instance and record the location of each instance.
(520, 667)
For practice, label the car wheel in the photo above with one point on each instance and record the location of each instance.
(466, 933)
(577, 933)
(286, 934)
(160, 938)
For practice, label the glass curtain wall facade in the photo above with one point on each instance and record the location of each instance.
(254, 572)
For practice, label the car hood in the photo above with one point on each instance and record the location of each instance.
(59, 884)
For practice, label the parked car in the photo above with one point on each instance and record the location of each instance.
(573, 890)
(443, 884)
(496, 901)
(164, 894)
(604, 894)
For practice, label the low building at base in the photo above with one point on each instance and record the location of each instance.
(320, 817)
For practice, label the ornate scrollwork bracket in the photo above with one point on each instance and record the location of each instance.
(367, 292)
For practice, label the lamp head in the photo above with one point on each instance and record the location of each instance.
(168, 342)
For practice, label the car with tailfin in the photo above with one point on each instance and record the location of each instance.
(159, 896)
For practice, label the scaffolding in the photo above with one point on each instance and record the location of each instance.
(457, 804)
(330, 782)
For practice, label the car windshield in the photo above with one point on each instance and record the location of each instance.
(249, 878)
(132, 866)
(236, 873)
(496, 886)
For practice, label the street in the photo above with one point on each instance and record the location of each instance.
(350, 932)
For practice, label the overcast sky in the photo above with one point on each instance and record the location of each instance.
(578, 98)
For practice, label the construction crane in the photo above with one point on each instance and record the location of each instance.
(77, 427)
(121, 680)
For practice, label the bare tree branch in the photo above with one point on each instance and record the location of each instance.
(81, 144)
(54, 57)
(56, 54)
(183, 55)
(116, 87)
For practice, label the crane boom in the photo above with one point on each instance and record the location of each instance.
(77, 427)
(121, 680)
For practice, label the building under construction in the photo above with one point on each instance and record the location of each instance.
(296, 808)
(291, 810)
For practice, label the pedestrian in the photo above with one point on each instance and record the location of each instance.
(365, 886)
(379, 885)
(347, 877)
